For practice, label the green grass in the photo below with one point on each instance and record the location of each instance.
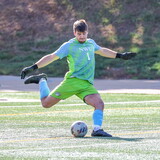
(30, 132)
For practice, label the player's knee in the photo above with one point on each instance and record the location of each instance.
(49, 101)
(46, 105)
(99, 105)
(95, 101)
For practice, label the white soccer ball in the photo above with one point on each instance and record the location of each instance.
(79, 129)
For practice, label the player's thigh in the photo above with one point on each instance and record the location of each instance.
(95, 101)
(49, 101)
(65, 90)
(87, 89)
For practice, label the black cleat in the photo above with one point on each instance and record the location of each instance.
(35, 78)
(100, 133)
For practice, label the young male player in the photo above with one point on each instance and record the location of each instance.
(80, 52)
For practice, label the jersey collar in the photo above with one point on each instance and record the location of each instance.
(78, 41)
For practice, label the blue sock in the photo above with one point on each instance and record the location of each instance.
(97, 118)
(44, 90)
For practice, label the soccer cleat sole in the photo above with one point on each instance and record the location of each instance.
(35, 78)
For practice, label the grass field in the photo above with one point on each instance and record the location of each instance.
(30, 132)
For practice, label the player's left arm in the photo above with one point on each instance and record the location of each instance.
(105, 52)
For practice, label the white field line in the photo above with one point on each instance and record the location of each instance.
(18, 100)
(80, 104)
(139, 91)
(134, 102)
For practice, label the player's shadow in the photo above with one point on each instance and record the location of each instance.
(117, 138)
(107, 138)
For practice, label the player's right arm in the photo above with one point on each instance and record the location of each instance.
(44, 61)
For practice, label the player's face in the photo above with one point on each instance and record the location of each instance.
(81, 36)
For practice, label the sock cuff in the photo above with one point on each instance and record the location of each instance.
(42, 79)
(96, 127)
(98, 111)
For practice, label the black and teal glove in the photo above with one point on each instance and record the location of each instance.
(28, 70)
(126, 55)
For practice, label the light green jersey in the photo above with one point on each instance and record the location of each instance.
(80, 58)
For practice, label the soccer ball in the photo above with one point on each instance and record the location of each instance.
(79, 129)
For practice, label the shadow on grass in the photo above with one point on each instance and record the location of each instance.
(116, 138)
(107, 138)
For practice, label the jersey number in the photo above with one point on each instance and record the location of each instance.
(88, 56)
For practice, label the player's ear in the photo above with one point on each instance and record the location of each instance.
(74, 32)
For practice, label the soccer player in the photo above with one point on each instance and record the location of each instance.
(80, 52)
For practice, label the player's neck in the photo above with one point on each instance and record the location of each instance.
(80, 41)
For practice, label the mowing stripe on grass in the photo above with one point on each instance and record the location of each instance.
(36, 113)
(18, 100)
(137, 133)
(36, 100)
(52, 122)
(134, 102)
(34, 139)
(81, 104)
(27, 106)
(53, 138)
(66, 122)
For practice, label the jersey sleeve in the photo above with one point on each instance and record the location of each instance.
(62, 51)
(96, 46)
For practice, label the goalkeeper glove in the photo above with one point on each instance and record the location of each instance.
(27, 70)
(126, 55)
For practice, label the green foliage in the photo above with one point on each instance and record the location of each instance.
(122, 25)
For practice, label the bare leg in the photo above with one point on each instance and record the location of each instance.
(49, 101)
(95, 101)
